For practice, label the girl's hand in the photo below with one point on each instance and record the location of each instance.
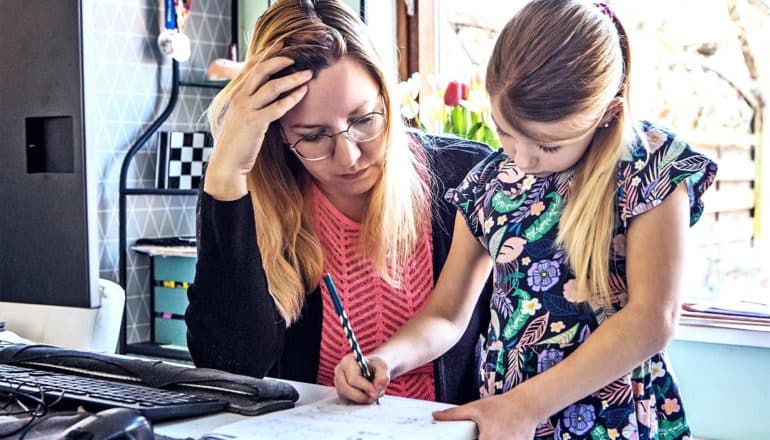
(254, 104)
(497, 417)
(352, 385)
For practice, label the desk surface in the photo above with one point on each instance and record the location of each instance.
(198, 426)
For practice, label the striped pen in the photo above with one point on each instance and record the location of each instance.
(351, 337)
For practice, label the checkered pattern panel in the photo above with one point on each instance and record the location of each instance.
(182, 156)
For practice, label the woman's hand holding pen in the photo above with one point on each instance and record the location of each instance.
(254, 104)
(351, 383)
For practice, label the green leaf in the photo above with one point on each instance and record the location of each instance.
(474, 130)
(672, 429)
(562, 338)
(490, 138)
(515, 323)
(495, 241)
(546, 221)
(599, 433)
(674, 149)
(518, 317)
(475, 117)
(503, 204)
(458, 121)
(500, 365)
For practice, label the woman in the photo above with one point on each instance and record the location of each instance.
(313, 173)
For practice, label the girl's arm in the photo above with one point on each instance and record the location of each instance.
(655, 252)
(434, 330)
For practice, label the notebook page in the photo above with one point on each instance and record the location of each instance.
(332, 419)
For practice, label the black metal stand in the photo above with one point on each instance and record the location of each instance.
(124, 191)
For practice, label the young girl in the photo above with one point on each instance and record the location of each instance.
(582, 216)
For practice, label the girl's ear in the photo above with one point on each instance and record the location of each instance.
(611, 113)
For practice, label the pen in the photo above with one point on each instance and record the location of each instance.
(348, 329)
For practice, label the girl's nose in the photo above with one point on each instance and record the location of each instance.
(525, 159)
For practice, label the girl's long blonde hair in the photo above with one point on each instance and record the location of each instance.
(556, 58)
(316, 35)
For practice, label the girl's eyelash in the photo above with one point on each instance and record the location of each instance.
(549, 149)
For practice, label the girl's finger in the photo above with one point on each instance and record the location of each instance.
(457, 413)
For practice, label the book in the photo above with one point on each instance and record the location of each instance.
(335, 418)
(742, 308)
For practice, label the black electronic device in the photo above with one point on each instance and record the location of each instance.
(48, 211)
(97, 394)
(111, 424)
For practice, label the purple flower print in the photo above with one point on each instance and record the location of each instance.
(543, 275)
(579, 418)
(548, 359)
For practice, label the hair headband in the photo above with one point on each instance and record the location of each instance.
(605, 9)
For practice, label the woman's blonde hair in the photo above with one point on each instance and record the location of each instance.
(316, 34)
(556, 58)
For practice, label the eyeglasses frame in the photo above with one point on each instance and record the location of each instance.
(346, 131)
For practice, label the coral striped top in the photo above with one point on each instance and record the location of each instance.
(375, 309)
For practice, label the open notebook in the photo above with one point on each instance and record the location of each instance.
(334, 418)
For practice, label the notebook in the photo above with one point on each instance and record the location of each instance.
(334, 418)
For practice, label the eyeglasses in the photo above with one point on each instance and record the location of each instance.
(321, 145)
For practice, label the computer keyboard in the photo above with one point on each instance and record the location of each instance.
(96, 394)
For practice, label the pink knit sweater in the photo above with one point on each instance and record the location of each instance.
(375, 309)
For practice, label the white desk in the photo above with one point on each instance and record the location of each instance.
(319, 414)
(198, 426)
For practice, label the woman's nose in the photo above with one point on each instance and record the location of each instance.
(346, 152)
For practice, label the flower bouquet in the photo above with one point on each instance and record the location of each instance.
(454, 108)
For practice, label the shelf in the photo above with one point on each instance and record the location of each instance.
(160, 192)
(154, 350)
(206, 84)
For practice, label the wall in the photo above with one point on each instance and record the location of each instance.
(725, 389)
(126, 86)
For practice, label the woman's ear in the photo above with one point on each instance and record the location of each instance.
(281, 134)
(611, 113)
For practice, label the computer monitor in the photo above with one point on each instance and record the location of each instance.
(48, 245)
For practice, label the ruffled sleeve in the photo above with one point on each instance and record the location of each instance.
(650, 175)
(468, 195)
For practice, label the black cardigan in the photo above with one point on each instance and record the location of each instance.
(232, 321)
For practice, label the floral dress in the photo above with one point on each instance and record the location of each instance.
(536, 320)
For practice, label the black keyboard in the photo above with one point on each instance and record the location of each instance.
(97, 394)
